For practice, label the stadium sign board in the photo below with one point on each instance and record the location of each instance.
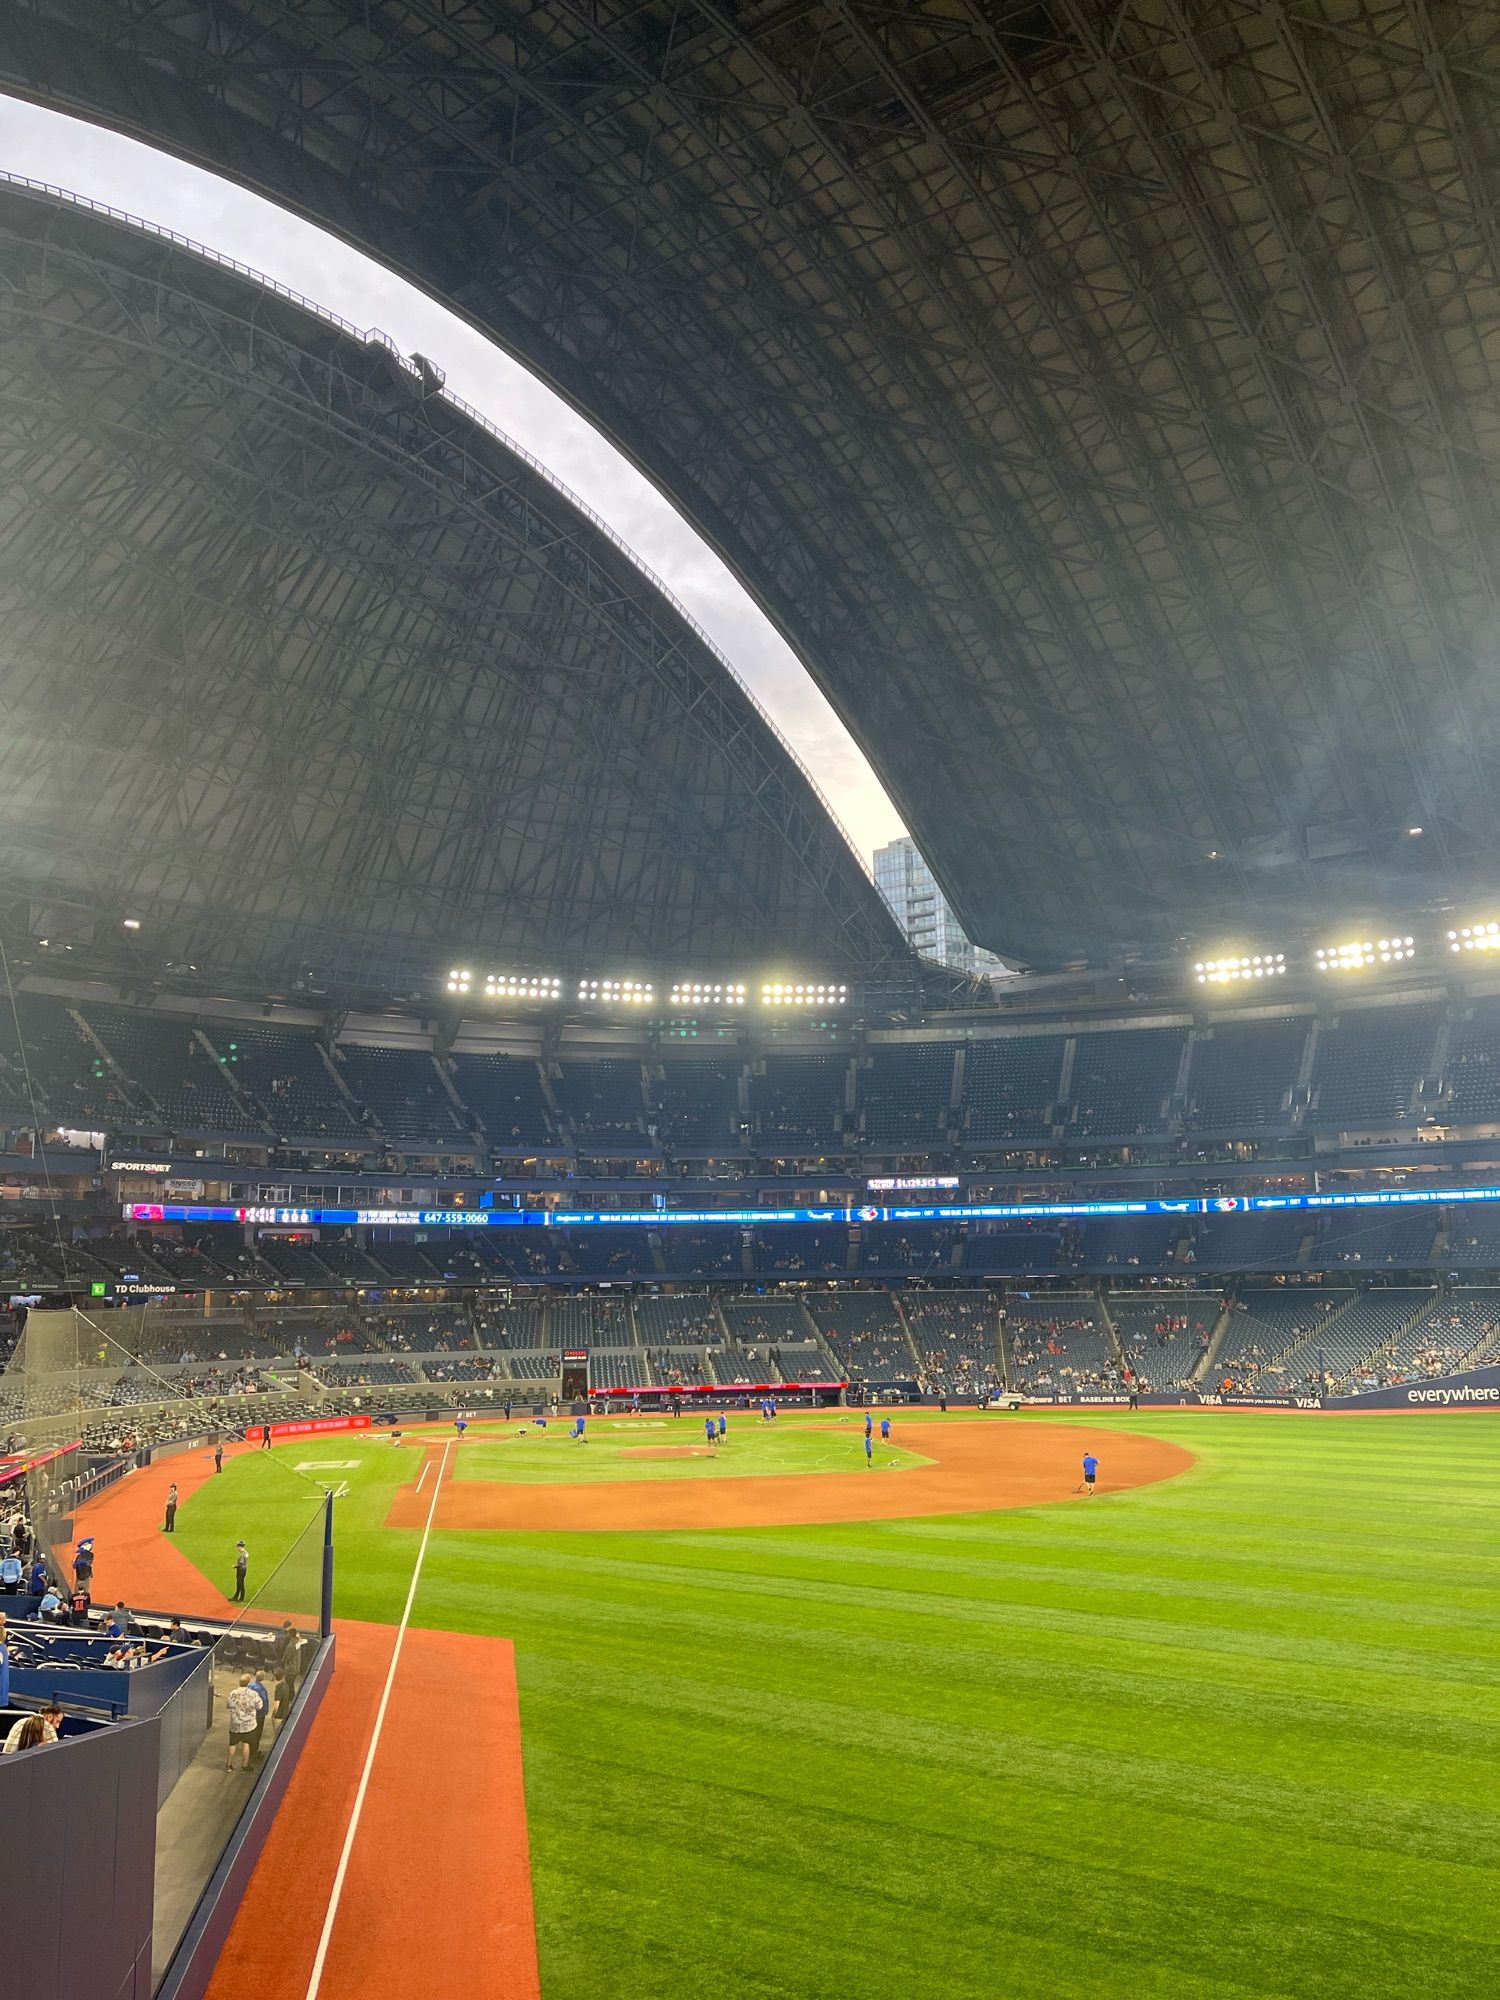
(1473, 1389)
(758, 1218)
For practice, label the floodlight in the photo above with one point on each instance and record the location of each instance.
(708, 993)
(617, 992)
(803, 993)
(1240, 966)
(1475, 937)
(1358, 957)
(522, 986)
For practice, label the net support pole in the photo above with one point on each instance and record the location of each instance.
(325, 1611)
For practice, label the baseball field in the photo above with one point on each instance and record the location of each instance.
(1232, 1731)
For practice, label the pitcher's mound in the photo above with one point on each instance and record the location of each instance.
(666, 1451)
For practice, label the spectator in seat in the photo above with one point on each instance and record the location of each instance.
(32, 1731)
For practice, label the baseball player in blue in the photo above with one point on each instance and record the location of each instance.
(460, 1424)
(578, 1435)
(1090, 1473)
(869, 1423)
(885, 1430)
(869, 1450)
(723, 1428)
(710, 1431)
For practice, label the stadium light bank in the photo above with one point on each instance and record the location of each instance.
(692, 994)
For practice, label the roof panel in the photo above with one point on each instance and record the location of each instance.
(1103, 402)
(304, 665)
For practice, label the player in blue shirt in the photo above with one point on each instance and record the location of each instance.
(1090, 1473)
(723, 1428)
(460, 1424)
(885, 1430)
(710, 1431)
(869, 1423)
(578, 1431)
(869, 1450)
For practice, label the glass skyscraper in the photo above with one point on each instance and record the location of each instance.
(922, 910)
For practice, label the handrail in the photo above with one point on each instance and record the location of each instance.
(484, 423)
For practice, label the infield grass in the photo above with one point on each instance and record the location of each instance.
(1234, 1734)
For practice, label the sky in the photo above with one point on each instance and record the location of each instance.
(105, 167)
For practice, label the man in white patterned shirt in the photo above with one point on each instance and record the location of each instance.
(243, 1707)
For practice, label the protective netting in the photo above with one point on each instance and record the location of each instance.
(74, 1394)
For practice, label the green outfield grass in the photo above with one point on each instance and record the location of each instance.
(1235, 1734)
(525, 1456)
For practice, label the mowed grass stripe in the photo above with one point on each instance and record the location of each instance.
(1144, 1680)
(1234, 1734)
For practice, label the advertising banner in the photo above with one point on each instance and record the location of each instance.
(659, 1218)
(1475, 1389)
(1235, 1399)
(306, 1428)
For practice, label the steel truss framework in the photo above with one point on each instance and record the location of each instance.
(1101, 397)
(302, 667)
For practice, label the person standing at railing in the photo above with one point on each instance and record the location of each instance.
(242, 1705)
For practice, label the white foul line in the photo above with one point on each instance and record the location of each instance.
(426, 1468)
(336, 1893)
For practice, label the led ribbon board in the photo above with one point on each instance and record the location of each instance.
(760, 1218)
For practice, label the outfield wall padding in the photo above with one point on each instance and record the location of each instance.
(1473, 1389)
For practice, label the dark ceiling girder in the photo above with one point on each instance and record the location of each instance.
(302, 663)
(1101, 400)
